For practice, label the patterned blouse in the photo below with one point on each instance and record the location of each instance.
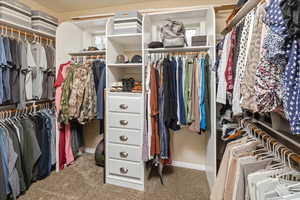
(291, 91)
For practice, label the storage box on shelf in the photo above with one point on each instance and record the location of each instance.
(127, 22)
(14, 12)
(41, 21)
(199, 40)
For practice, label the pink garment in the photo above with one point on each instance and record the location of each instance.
(68, 146)
(64, 137)
(58, 83)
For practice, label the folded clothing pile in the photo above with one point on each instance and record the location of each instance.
(127, 85)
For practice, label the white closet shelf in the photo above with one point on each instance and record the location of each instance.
(88, 53)
(125, 65)
(131, 94)
(25, 28)
(126, 39)
(179, 49)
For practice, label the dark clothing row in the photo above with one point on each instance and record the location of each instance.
(27, 151)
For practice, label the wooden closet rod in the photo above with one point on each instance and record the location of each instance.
(264, 135)
(241, 14)
(6, 29)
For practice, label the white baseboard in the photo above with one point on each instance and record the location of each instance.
(188, 165)
(90, 150)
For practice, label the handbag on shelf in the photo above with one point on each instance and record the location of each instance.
(173, 34)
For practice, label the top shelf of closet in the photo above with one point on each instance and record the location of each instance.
(247, 7)
(26, 29)
(179, 49)
(126, 39)
(88, 53)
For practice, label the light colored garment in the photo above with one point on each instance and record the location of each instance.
(222, 83)
(28, 78)
(217, 191)
(258, 176)
(247, 166)
(248, 82)
(242, 60)
(265, 186)
(237, 152)
(40, 59)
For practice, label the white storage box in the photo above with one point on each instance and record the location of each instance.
(128, 22)
(14, 12)
(43, 22)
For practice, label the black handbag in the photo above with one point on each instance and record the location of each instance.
(100, 154)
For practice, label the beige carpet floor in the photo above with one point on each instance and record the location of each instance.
(84, 181)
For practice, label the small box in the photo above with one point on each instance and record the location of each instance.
(43, 22)
(199, 40)
(14, 12)
(128, 22)
(128, 16)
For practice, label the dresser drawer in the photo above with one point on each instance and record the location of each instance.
(120, 120)
(125, 104)
(125, 168)
(124, 152)
(123, 136)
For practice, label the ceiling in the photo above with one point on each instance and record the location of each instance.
(75, 5)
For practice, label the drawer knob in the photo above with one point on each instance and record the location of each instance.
(123, 106)
(124, 154)
(123, 138)
(123, 122)
(123, 170)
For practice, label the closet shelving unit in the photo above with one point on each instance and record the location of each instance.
(203, 20)
(125, 111)
(71, 38)
(124, 124)
(25, 28)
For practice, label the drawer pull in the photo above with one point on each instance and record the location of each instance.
(123, 170)
(123, 107)
(123, 122)
(123, 138)
(124, 154)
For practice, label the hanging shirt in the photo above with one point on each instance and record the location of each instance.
(188, 89)
(24, 69)
(40, 60)
(155, 145)
(6, 71)
(180, 88)
(31, 65)
(222, 84)
(3, 62)
(247, 84)
(242, 60)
